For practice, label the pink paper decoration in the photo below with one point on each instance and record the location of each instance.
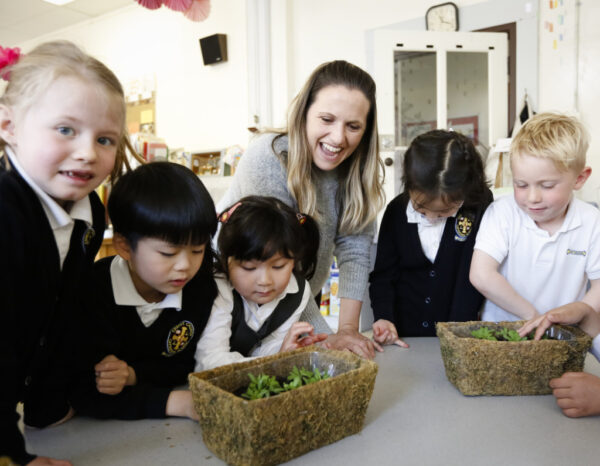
(199, 10)
(8, 57)
(178, 5)
(151, 4)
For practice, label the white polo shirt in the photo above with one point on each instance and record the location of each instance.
(548, 271)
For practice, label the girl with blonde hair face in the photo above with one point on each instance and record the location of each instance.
(326, 164)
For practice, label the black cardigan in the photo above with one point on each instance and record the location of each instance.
(39, 309)
(410, 291)
(162, 354)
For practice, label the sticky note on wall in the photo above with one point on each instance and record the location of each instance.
(146, 116)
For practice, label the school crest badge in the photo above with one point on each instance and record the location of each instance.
(462, 227)
(88, 236)
(179, 337)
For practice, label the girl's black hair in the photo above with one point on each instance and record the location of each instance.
(166, 201)
(445, 164)
(260, 227)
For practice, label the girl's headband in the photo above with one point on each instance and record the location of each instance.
(8, 57)
(228, 213)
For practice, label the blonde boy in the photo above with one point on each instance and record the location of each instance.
(537, 250)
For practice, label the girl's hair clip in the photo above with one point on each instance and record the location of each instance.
(301, 218)
(228, 213)
(8, 57)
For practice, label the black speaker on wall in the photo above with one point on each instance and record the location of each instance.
(214, 49)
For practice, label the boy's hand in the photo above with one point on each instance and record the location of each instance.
(112, 374)
(300, 335)
(577, 394)
(385, 333)
(180, 403)
(573, 313)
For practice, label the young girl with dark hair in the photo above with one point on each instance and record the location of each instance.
(421, 273)
(267, 251)
(150, 303)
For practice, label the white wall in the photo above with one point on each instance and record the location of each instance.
(570, 70)
(197, 107)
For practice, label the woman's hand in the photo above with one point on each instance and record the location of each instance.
(348, 338)
(385, 333)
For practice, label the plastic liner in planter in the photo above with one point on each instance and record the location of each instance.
(483, 367)
(276, 429)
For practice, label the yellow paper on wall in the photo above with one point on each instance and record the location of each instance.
(146, 116)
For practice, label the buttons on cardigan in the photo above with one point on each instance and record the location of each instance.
(432, 273)
(425, 324)
(427, 300)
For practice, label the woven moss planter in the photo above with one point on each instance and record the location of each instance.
(482, 367)
(276, 429)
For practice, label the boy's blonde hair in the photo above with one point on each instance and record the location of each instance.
(31, 76)
(560, 138)
(361, 192)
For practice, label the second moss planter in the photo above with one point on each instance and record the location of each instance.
(482, 367)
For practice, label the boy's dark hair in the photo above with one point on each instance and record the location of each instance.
(166, 201)
(445, 164)
(257, 227)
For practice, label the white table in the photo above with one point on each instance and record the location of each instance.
(416, 417)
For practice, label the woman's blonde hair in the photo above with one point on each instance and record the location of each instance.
(31, 76)
(361, 175)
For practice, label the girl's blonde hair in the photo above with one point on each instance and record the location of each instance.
(361, 175)
(31, 76)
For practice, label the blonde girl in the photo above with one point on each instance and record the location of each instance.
(62, 132)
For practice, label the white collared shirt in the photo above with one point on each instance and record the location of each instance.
(213, 348)
(548, 271)
(430, 231)
(126, 295)
(61, 222)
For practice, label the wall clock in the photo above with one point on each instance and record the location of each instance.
(442, 17)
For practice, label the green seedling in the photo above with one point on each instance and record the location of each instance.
(264, 386)
(510, 335)
(484, 333)
(504, 334)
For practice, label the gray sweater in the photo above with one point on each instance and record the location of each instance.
(260, 172)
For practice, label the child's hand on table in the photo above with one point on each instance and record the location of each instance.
(299, 335)
(385, 333)
(112, 374)
(577, 394)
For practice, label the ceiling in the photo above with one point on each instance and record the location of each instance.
(22, 20)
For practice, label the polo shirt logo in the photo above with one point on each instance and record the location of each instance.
(462, 227)
(573, 252)
(179, 337)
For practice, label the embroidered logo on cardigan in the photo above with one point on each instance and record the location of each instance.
(179, 337)
(462, 227)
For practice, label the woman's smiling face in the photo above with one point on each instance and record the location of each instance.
(335, 124)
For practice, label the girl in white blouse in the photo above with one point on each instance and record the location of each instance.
(267, 251)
